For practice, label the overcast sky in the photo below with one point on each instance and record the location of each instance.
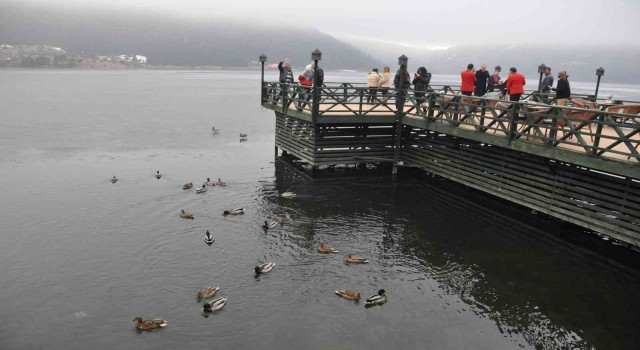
(421, 23)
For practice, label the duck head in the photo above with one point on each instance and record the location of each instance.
(137, 319)
(381, 292)
(257, 270)
(225, 213)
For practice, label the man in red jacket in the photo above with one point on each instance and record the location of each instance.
(515, 84)
(468, 80)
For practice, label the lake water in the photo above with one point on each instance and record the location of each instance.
(81, 257)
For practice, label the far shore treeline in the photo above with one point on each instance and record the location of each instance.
(171, 42)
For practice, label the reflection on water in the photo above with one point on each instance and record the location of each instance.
(81, 256)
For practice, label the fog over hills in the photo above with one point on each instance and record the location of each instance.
(170, 40)
(580, 61)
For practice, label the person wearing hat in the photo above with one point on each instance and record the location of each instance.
(373, 81)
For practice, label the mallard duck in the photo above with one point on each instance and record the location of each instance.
(234, 211)
(209, 182)
(203, 189)
(114, 179)
(220, 183)
(215, 304)
(326, 249)
(269, 224)
(157, 174)
(208, 238)
(356, 259)
(264, 268)
(214, 130)
(185, 214)
(377, 299)
(348, 294)
(243, 136)
(150, 324)
(187, 186)
(207, 293)
(287, 195)
(284, 220)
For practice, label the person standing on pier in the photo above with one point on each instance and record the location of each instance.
(493, 82)
(468, 80)
(306, 80)
(373, 81)
(547, 81)
(420, 83)
(482, 76)
(563, 90)
(515, 84)
(385, 81)
(286, 76)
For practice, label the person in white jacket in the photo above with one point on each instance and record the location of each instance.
(385, 81)
(373, 81)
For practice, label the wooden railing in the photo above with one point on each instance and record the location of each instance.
(593, 131)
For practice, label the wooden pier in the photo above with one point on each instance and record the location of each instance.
(580, 164)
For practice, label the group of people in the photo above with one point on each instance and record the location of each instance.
(480, 83)
(306, 79)
(477, 83)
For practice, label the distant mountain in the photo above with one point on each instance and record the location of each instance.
(581, 62)
(167, 40)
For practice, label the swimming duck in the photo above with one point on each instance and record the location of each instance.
(209, 182)
(215, 304)
(348, 294)
(287, 195)
(187, 186)
(114, 179)
(185, 214)
(243, 136)
(201, 190)
(284, 220)
(377, 299)
(157, 174)
(214, 130)
(220, 183)
(269, 224)
(234, 211)
(150, 324)
(356, 259)
(207, 293)
(264, 268)
(208, 238)
(326, 249)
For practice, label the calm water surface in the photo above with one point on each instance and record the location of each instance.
(81, 257)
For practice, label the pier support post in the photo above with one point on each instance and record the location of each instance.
(402, 61)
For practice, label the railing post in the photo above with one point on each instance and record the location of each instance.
(596, 139)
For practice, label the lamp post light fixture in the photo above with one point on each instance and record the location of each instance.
(541, 69)
(263, 59)
(316, 56)
(599, 73)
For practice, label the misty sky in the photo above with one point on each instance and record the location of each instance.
(421, 23)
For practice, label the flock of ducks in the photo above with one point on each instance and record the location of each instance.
(206, 295)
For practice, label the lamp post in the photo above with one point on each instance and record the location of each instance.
(402, 61)
(599, 73)
(316, 56)
(263, 59)
(541, 69)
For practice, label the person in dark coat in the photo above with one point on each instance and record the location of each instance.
(420, 83)
(563, 90)
(482, 77)
(493, 82)
(286, 77)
